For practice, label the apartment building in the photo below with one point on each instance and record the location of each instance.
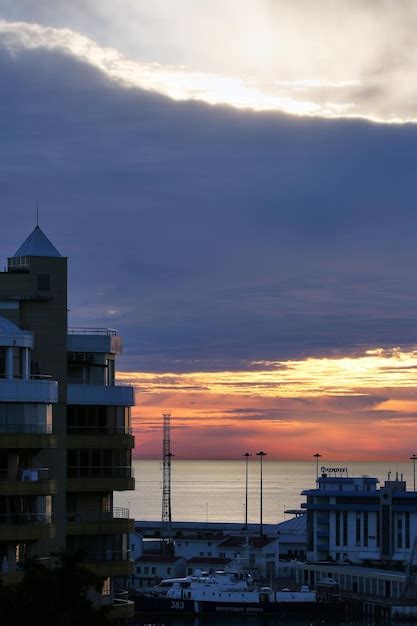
(65, 436)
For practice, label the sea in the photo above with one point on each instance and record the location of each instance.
(214, 491)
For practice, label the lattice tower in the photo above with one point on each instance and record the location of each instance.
(166, 521)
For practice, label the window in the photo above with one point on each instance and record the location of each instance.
(407, 530)
(222, 555)
(169, 570)
(337, 529)
(138, 569)
(358, 529)
(345, 528)
(400, 531)
(365, 528)
(154, 570)
(44, 282)
(106, 588)
(146, 570)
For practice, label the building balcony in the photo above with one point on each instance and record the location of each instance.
(11, 578)
(28, 390)
(27, 482)
(110, 563)
(100, 523)
(22, 527)
(34, 436)
(92, 437)
(111, 478)
(17, 569)
(121, 609)
(119, 606)
(94, 340)
(117, 395)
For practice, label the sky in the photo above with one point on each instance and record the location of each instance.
(234, 185)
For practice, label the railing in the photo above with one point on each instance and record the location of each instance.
(21, 262)
(112, 383)
(33, 473)
(108, 555)
(28, 429)
(82, 330)
(39, 377)
(28, 474)
(21, 519)
(110, 471)
(98, 516)
(105, 430)
(106, 599)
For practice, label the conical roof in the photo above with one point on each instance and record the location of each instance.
(8, 328)
(37, 244)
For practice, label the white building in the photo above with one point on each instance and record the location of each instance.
(352, 520)
(152, 568)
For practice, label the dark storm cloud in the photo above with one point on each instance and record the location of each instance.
(210, 237)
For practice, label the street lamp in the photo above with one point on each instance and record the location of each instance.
(261, 454)
(317, 456)
(246, 455)
(413, 459)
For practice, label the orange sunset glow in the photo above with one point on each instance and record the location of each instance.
(292, 408)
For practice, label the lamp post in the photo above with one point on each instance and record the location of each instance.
(317, 456)
(261, 454)
(246, 455)
(413, 459)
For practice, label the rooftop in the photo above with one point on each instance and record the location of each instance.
(157, 558)
(37, 244)
(208, 560)
(254, 542)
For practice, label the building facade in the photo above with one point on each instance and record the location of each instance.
(65, 437)
(352, 520)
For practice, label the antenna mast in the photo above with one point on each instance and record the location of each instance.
(166, 528)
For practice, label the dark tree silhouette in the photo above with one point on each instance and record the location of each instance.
(53, 596)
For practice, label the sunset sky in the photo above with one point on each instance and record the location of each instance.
(234, 183)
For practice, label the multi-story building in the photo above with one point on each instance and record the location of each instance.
(65, 437)
(353, 520)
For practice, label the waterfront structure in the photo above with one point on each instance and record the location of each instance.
(203, 538)
(65, 438)
(353, 520)
(368, 581)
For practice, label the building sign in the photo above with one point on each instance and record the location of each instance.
(80, 357)
(334, 470)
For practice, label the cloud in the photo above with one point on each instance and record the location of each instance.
(280, 62)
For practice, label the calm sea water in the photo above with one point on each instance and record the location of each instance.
(215, 490)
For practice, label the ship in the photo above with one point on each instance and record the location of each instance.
(233, 593)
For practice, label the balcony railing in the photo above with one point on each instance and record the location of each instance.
(82, 330)
(108, 555)
(111, 471)
(18, 428)
(120, 597)
(46, 377)
(98, 516)
(103, 430)
(26, 474)
(21, 519)
(34, 473)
